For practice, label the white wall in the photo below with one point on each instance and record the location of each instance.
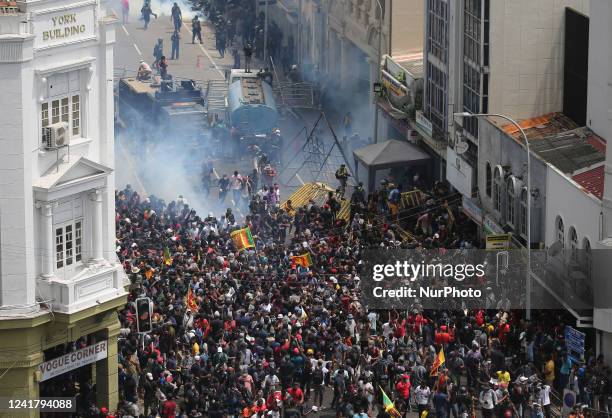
(21, 160)
(407, 26)
(526, 55)
(576, 208)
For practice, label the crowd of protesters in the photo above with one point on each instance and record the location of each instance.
(264, 336)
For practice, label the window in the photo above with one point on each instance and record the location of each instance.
(573, 243)
(497, 190)
(489, 180)
(560, 231)
(76, 115)
(67, 109)
(588, 257)
(68, 243)
(63, 104)
(472, 17)
(511, 202)
(523, 213)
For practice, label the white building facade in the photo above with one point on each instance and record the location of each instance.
(57, 226)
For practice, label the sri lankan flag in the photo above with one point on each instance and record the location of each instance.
(440, 359)
(167, 257)
(389, 406)
(304, 260)
(190, 302)
(242, 238)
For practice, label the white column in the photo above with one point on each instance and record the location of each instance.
(96, 225)
(46, 210)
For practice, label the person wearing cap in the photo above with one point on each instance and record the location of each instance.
(169, 408)
(149, 388)
(488, 401)
(296, 393)
(402, 387)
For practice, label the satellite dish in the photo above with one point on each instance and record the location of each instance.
(461, 147)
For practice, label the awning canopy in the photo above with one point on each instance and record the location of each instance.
(389, 154)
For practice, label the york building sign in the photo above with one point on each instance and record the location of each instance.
(67, 26)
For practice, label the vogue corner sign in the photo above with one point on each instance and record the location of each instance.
(74, 360)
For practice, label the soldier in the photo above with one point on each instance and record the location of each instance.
(158, 52)
(196, 30)
(146, 14)
(236, 55)
(175, 45)
(248, 54)
(177, 17)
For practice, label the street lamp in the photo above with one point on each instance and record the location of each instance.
(380, 26)
(513, 122)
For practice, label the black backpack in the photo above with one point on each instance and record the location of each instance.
(317, 376)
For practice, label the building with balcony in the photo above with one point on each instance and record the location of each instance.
(338, 43)
(60, 282)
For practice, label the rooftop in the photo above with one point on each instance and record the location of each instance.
(575, 151)
(410, 63)
(592, 181)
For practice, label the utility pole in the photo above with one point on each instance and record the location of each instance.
(379, 55)
(299, 37)
(265, 51)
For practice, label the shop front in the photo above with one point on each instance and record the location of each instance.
(62, 355)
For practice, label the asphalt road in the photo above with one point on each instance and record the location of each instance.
(174, 167)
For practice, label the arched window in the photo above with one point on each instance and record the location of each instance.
(588, 259)
(511, 202)
(489, 183)
(523, 212)
(497, 189)
(573, 243)
(560, 231)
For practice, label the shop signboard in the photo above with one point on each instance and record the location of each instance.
(574, 343)
(423, 123)
(498, 241)
(471, 209)
(490, 226)
(74, 360)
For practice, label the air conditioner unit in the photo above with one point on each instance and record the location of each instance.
(56, 135)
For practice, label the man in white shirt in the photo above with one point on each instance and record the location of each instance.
(236, 186)
(545, 399)
(422, 394)
(488, 400)
(372, 318)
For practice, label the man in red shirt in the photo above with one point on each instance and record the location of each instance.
(403, 390)
(169, 408)
(296, 394)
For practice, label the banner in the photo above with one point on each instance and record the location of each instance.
(74, 360)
